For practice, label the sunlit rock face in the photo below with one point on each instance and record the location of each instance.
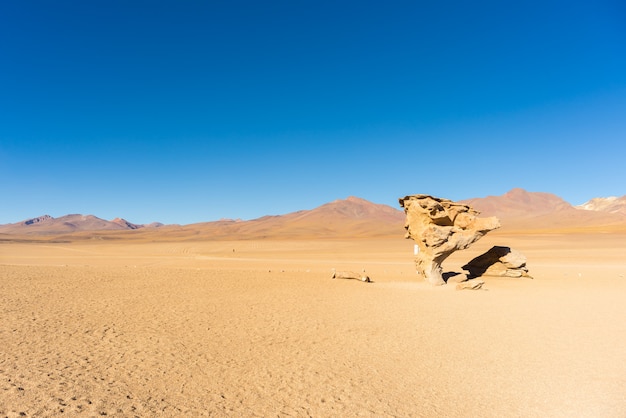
(440, 227)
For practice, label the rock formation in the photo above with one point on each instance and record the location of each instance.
(440, 227)
(498, 261)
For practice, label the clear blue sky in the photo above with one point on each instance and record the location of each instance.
(189, 111)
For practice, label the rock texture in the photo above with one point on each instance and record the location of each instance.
(498, 261)
(441, 227)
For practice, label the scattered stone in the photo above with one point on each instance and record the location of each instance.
(498, 261)
(440, 227)
(473, 284)
(350, 275)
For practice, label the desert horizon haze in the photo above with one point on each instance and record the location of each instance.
(353, 217)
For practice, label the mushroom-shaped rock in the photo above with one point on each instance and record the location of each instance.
(440, 227)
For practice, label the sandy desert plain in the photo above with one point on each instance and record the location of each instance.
(130, 324)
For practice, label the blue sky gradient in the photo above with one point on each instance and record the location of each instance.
(191, 111)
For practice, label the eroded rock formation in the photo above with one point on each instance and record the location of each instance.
(440, 227)
(498, 261)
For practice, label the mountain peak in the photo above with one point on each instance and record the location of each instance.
(517, 191)
(518, 203)
(357, 208)
(355, 199)
(611, 204)
(125, 224)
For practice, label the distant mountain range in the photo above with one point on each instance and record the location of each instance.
(351, 217)
(47, 225)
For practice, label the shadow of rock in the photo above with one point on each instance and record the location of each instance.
(454, 277)
(498, 261)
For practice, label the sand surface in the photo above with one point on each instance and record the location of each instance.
(258, 328)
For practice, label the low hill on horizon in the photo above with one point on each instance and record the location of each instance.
(352, 217)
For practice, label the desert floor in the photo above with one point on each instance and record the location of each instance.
(258, 328)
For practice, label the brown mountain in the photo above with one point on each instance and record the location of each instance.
(352, 217)
(519, 203)
(520, 209)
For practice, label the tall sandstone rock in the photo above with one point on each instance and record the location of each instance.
(440, 227)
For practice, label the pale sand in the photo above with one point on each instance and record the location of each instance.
(194, 328)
